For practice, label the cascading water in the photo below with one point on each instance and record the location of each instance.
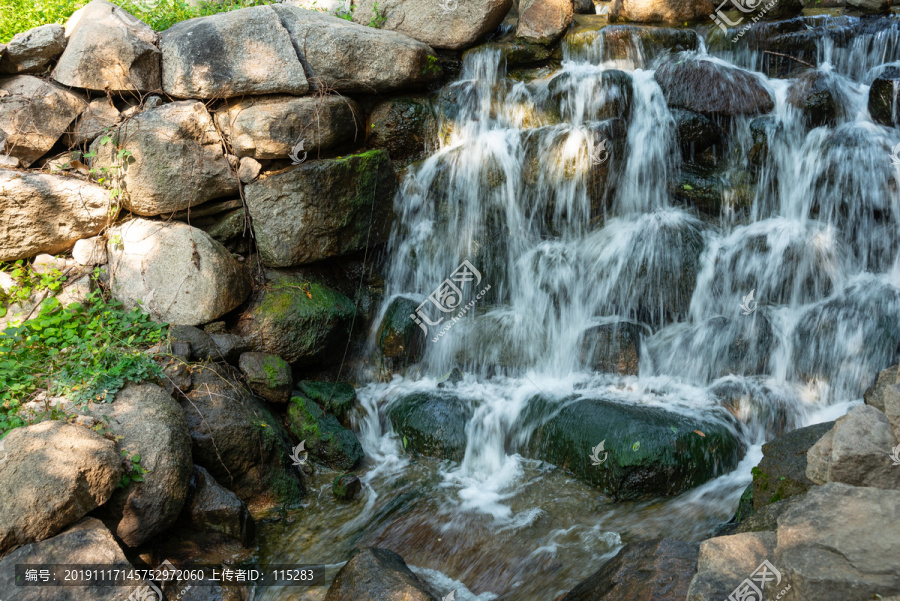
(558, 192)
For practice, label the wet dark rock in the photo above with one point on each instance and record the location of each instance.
(403, 126)
(269, 376)
(399, 337)
(695, 132)
(651, 451)
(712, 88)
(871, 7)
(818, 97)
(518, 52)
(378, 575)
(781, 472)
(766, 519)
(584, 7)
(337, 398)
(610, 94)
(325, 438)
(883, 102)
(700, 188)
(213, 508)
(621, 41)
(432, 424)
(238, 441)
(203, 347)
(613, 347)
(300, 320)
(660, 569)
(762, 129)
(757, 403)
(346, 487)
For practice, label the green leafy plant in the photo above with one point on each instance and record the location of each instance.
(431, 65)
(136, 473)
(85, 351)
(27, 283)
(378, 17)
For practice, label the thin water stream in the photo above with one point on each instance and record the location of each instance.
(513, 190)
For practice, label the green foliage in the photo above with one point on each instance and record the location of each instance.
(84, 352)
(28, 282)
(17, 16)
(136, 473)
(431, 65)
(378, 18)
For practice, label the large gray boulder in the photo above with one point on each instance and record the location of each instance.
(660, 11)
(174, 272)
(345, 57)
(782, 471)
(543, 21)
(432, 23)
(151, 425)
(238, 441)
(712, 88)
(322, 209)
(870, 6)
(231, 54)
(53, 475)
(34, 114)
(177, 160)
(856, 451)
(47, 213)
(726, 561)
(31, 51)
(270, 127)
(301, 321)
(213, 508)
(109, 50)
(839, 543)
(884, 395)
(378, 574)
(87, 542)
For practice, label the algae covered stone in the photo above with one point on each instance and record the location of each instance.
(337, 398)
(325, 438)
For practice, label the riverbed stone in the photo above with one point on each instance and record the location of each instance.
(660, 11)
(712, 88)
(376, 574)
(337, 398)
(660, 569)
(433, 424)
(452, 25)
(86, 542)
(613, 347)
(109, 50)
(695, 132)
(818, 97)
(346, 487)
(781, 472)
(726, 561)
(47, 213)
(398, 337)
(824, 559)
(234, 53)
(213, 508)
(153, 427)
(174, 272)
(373, 60)
(239, 442)
(325, 438)
(648, 451)
(323, 209)
(270, 127)
(543, 21)
(301, 321)
(54, 473)
(34, 115)
(883, 104)
(176, 162)
(31, 51)
(269, 376)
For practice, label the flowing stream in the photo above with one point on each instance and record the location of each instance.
(512, 189)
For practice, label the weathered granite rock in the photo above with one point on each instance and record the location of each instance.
(712, 88)
(269, 376)
(660, 11)
(376, 575)
(90, 251)
(213, 508)
(31, 51)
(726, 561)
(99, 116)
(781, 472)
(543, 21)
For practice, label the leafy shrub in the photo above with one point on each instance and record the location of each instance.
(83, 351)
(28, 282)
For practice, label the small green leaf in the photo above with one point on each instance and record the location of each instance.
(404, 443)
(674, 429)
(636, 446)
(688, 187)
(136, 458)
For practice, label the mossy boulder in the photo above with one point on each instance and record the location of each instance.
(337, 398)
(398, 337)
(699, 188)
(648, 451)
(323, 208)
(781, 472)
(432, 424)
(269, 376)
(301, 321)
(326, 439)
(346, 487)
